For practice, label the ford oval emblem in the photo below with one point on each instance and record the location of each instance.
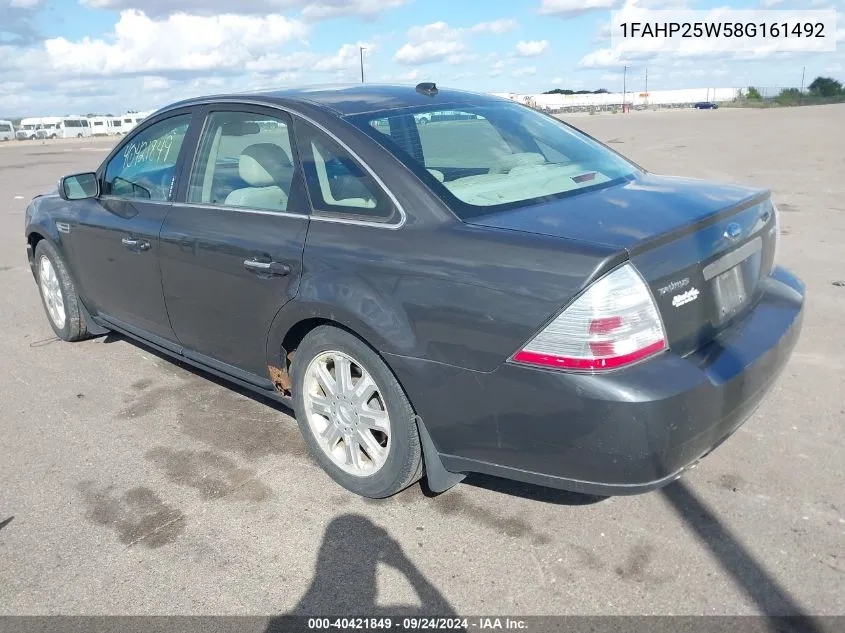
(733, 231)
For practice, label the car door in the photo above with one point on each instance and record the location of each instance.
(114, 240)
(231, 249)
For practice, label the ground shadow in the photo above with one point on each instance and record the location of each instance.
(531, 492)
(345, 581)
(113, 337)
(6, 522)
(759, 585)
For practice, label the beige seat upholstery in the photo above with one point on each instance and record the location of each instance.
(266, 168)
(437, 174)
(505, 163)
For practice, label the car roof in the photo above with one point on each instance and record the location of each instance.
(350, 99)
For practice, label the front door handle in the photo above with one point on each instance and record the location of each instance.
(135, 244)
(277, 269)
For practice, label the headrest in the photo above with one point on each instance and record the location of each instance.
(264, 165)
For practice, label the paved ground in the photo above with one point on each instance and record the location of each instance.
(129, 484)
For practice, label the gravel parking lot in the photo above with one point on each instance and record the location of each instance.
(131, 484)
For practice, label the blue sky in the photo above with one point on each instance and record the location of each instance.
(62, 56)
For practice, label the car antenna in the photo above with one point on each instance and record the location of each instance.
(427, 88)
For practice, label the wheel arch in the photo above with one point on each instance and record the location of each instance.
(286, 335)
(293, 323)
(36, 234)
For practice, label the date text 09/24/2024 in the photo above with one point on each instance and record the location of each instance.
(417, 623)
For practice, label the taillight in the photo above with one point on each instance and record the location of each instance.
(613, 323)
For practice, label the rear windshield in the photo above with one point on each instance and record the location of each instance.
(495, 156)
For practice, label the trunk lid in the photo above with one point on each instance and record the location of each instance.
(701, 247)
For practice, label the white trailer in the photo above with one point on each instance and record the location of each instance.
(7, 131)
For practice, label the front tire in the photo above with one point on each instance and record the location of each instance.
(355, 418)
(58, 294)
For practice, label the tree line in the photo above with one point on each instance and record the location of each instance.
(819, 87)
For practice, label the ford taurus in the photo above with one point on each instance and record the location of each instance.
(440, 283)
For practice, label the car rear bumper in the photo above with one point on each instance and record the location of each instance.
(624, 432)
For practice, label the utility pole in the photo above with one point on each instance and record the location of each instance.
(361, 49)
(803, 70)
(646, 85)
(624, 87)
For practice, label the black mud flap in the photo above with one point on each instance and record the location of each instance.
(94, 329)
(439, 479)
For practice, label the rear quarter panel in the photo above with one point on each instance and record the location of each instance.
(454, 294)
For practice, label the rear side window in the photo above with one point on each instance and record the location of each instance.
(495, 155)
(245, 160)
(442, 133)
(337, 183)
(145, 167)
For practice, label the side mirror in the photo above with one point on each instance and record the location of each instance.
(79, 186)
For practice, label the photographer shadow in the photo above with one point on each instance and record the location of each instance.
(345, 580)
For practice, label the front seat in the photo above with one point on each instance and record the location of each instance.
(266, 168)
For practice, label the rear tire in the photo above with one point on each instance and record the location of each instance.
(58, 294)
(355, 418)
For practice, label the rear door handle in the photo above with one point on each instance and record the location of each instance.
(135, 244)
(277, 269)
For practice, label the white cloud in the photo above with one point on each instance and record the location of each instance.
(428, 52)
(337, 8)
(572, 8)
(438, 41)
(154, 82)
(497, 27)
(24, 4)
(526, 71)
(461, 58)
(347, 55)
(179, 42)
(603, 34)
(532, 48)
(312, 10)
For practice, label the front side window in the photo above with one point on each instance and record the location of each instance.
(244, 160)
(493, 156)
(145, 167)
(337, 183)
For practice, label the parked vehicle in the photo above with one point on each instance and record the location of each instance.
(28, 129)
(497, 293)
(7, 131)
(115, 125)
(64, 127)
(129, 121)
(706, 105)
(105, 126)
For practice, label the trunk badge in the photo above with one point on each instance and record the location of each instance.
(733, 231)
(685, 297)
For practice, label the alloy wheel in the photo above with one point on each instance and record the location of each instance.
(52, 292)
(346, 413)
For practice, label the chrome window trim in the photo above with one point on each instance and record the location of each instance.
(144, 200)
(392, 226)
(223, 207)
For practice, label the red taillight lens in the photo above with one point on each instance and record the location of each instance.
(613, 323)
